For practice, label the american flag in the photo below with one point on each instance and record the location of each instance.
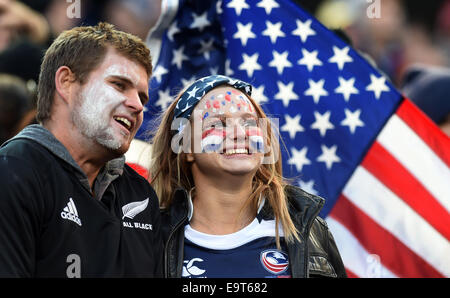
(351, 137)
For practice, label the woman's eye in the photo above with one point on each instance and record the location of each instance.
(250, 123)
(216, 124)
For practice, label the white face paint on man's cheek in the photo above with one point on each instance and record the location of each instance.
(97, 103)
(100, 99)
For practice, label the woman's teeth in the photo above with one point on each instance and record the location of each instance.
(236, 151)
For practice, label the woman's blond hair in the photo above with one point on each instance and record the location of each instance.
(170, 170)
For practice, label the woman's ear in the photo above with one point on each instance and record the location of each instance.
(190, 157)
(64, 79)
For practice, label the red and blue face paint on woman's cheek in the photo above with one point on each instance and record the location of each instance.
(256, 140)
(213, 140)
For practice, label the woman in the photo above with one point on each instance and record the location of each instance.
(226, 210)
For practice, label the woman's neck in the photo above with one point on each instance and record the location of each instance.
(219, 209)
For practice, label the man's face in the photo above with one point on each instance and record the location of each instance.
(110, 104)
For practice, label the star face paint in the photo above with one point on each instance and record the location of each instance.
(230, 101)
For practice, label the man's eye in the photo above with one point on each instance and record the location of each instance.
(119, 85)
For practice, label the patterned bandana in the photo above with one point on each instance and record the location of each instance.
(190, 98)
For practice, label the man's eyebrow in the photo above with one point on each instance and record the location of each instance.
(127, 79)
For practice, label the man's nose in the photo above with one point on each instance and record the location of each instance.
(134, 102)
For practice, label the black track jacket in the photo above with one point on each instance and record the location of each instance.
(51, 225)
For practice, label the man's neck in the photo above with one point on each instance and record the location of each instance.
(89, 155)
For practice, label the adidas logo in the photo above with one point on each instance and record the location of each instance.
(70, 212)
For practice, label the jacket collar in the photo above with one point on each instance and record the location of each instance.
(112, 169)
(303, 207)
(179, 208)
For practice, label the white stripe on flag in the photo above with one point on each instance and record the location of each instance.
(409, 149)
(355, 257)
(389, 211)
(139, 153)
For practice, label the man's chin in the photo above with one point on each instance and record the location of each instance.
(117, 147)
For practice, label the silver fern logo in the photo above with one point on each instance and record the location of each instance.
(132, 209)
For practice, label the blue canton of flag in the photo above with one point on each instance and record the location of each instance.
(330, 102)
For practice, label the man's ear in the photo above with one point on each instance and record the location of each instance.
(64, 80)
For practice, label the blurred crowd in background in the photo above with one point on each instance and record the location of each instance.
(408, 40)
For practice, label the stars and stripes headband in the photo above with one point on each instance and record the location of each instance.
(190, 98)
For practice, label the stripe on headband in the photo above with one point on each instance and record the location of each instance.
(194, 93)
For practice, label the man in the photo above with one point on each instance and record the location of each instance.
(69, 206)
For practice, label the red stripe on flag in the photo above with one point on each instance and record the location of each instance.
(425, 129)
(400, 181)
(140, 170)
(350, 274)
(394, 255)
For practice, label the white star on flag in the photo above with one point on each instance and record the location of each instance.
(309, 59)
(286, 93)
(273, 31)
(308, 186)
(316, 90)
(173, 29)
(187, 82)
(377, 85)
(280, 61)
(159, 72)
(206, 47)
(322, 122)
(178, 57)
(228, 70)
(164, 99)
(340, 56)
(268, 5)
(292, 125)
(304, 30)
(298, 158)
(250, 64)
(258, 94)
(352, 120)
(244, 32)
(200, 21)
(238, 6)
(346, 87)
(328, 156)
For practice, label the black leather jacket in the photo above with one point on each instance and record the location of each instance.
(316, 255)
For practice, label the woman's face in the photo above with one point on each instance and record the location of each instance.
(227, 137)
